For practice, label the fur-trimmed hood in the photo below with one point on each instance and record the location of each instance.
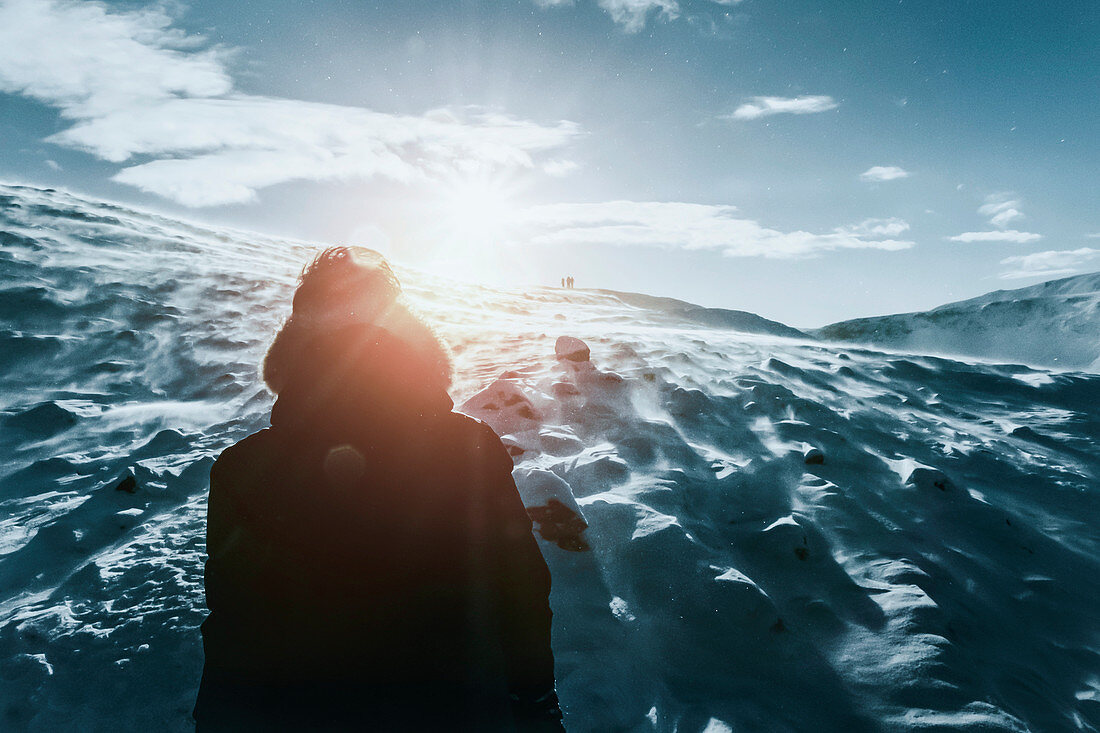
(347, 379)
(300, 335)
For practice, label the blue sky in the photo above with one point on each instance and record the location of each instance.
(808, 161)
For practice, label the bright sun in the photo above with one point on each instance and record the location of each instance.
(477, 212)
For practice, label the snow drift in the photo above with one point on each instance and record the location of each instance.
(746, 531)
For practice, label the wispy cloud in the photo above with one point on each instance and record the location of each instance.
(215, 151)
(880, 173)
(559, 168)
(1004, 235)
(135, 87)
(891, 227)
(767, 106)
(1054, 263)
(89, 61)
(632, 14)
(1001, 209)
(675, 225)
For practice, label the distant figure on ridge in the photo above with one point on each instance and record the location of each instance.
(563, 282)
(371, 565)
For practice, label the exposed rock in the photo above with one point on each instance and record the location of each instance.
(128, 484)
(813, 456)
(923, 477)
(564, 389)
(42, 420)
(568, 348)
(559, 524)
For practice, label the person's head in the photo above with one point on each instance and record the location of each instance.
(351, 284)
(345, 286)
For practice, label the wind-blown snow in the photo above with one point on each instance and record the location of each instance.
(1053, 324)
(782, 534)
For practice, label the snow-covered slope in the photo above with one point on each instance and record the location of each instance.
(1055, 324)
(679, 313)
(783, 535)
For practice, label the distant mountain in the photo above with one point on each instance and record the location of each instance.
(683, 312)
(1055, 324)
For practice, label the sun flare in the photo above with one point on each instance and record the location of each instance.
(477, 212)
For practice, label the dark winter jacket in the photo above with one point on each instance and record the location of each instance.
(371, 565)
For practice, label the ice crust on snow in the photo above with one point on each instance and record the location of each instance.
(937, 569)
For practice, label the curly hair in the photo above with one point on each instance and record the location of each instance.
(341, 275)
(343, 285)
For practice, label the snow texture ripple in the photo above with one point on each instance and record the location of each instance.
(746, 531)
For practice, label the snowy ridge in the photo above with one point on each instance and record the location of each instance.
(681, 313)
(1055, 324)
(782, 535)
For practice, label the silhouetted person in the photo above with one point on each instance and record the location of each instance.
(563, 282)
(371, 565)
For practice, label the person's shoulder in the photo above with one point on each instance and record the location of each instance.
(474, 427)
(245, 456)
(469, 422)
(477, 435)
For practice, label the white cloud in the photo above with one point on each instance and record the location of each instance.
(133, 86)
(215, 151)
(689, 226)
(1004, 217)
(1004, 235)
(559, 168)
(1001, 209)
(881, 227)
(766, 106)
(632, 14)
(1055, 263)
(879, 173)
(88, 61)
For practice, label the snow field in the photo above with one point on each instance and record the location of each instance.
(746, 531)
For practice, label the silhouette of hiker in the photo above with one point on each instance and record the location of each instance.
(563, 282)
(371, 565)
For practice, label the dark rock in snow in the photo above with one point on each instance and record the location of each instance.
(569, 348)
(924, 477)
(559, 524)
(42, 420)
(1024, 432)
(127, 484)
(564, 389)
